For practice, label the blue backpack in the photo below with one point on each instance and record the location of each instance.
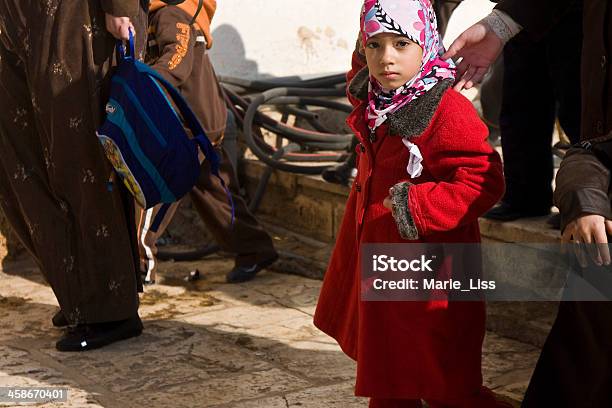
(144, 137)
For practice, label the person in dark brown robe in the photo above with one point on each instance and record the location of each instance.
(57, 189)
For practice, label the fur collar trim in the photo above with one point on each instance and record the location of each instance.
(413, 119)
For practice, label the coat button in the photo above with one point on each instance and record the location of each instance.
(358, 187)
(604, 62)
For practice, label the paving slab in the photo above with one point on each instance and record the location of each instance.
(205, 344)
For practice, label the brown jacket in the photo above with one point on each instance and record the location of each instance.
(190, 7)
(539, 16)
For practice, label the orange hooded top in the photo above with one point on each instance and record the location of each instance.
(190, 7)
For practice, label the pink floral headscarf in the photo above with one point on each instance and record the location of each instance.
(416, 20)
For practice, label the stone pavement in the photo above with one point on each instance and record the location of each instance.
(206, 344)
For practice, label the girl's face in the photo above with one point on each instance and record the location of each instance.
(393, 59)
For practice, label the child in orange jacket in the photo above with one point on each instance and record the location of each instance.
(178, 51)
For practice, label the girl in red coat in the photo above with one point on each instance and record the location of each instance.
(425, 174)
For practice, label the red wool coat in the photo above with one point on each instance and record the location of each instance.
(411, 350)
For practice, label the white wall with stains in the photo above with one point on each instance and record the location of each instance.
(264, 38)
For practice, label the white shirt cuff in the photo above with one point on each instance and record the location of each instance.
(502, 25)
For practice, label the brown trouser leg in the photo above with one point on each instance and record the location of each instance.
(246, 237)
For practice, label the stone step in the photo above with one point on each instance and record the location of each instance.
(314, 208)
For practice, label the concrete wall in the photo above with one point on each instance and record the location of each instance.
(263, 38)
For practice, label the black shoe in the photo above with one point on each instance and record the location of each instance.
(505, 212)
(92, 336)
(246, 273)
(59, 320)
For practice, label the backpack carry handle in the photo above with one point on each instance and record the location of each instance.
(121, 51)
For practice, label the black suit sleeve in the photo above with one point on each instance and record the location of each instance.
(536, 17)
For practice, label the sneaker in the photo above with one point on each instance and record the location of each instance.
(246, 273)
(148, 278)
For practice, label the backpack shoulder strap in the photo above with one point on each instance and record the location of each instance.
(177, 2)
(195, 15)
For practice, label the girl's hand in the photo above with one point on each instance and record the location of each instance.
(388, 202)
(119, 27)
(590, 230)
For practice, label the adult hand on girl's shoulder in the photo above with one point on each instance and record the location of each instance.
(388, 201)
(479, 47)
(119, 27)
(592, 230)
